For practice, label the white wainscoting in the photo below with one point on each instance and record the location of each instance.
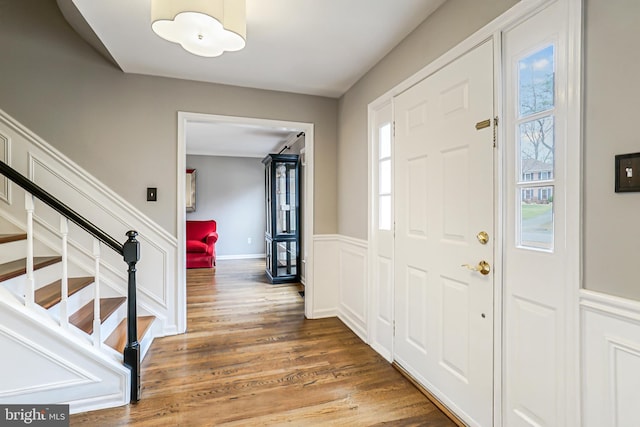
(340, 285)
(610, 360)
(352, 261)
(43, 363)
(158, 272)
(324, 293)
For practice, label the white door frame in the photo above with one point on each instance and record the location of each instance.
(183, 119)
(573, 174)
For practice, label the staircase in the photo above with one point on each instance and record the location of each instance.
(85, 316)
(113, 322)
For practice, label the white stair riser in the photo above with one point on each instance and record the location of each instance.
(12, 251)
(50, 274)
(145, 344)
(7, 227)
(41, 277)
(110, 324)
(74, 302)
(147, 340)
(78, 300)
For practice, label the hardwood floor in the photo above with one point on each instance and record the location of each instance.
(249, 357)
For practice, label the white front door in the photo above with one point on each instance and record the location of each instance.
(444, 207)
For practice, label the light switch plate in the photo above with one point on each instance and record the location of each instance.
(627, 172)
(152, 194)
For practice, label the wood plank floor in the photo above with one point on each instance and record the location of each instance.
(250, 358)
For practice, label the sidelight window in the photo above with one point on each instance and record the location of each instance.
(535, 136)
(384, 177)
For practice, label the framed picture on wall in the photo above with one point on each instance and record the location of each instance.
(190, 190)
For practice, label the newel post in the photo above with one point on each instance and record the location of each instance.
(131, 254)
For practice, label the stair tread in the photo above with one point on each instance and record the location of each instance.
(50, 295)
(118, 338)
(83, 318)
(6, 238)
(16, 268)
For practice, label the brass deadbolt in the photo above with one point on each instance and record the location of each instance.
(483, 237)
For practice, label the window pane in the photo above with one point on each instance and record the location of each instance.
(536, 149)
(291, 197)
(536, 217)
(384, 212)
(384, 140)
(385, 177)
(286, 258)
(536, 82)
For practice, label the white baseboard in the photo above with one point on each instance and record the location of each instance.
(321, 314)
(354, 325)
(241, 256)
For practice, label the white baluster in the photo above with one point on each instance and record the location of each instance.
(29, 293)
(64, 279)
(96, 301)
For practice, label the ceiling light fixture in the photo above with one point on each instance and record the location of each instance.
(202, 27)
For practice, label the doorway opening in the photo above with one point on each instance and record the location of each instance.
(190, 124)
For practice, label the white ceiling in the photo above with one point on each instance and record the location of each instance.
(315, 47)
(235, 139)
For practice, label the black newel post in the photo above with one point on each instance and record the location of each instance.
(131, 254)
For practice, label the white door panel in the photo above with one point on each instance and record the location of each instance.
(444, 196)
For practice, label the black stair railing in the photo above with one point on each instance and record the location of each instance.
(130, 252)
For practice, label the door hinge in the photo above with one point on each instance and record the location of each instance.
(394, 128)
(394, 328)
(495, 131)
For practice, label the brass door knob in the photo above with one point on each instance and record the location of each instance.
(483, 267)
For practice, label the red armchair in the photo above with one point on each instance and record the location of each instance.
(201, 244)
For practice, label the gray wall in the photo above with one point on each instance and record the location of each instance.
(230, 190)
(123, 127)
(612, 91)
(454, 21)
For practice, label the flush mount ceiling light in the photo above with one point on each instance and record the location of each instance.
(202, 27)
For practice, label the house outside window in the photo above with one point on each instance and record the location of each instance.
(535, 130)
